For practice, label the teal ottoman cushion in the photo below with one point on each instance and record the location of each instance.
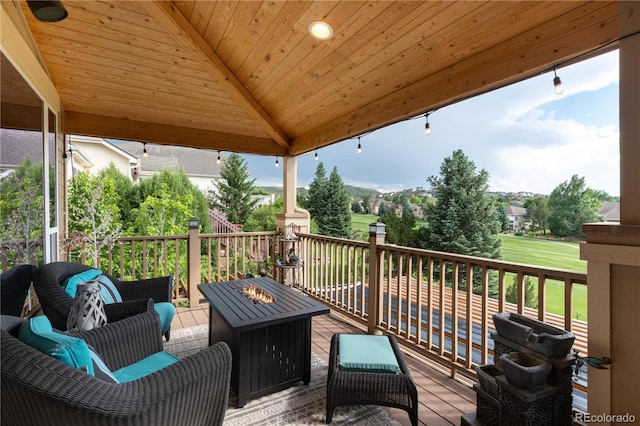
(362, 352)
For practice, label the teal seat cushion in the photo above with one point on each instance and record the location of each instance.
(144, 367)
(100, 369)
(361, 352)
(39, 334)
(167, 311)
(108, 290)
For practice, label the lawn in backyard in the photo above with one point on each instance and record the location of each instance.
(550, 254)
(531, 251)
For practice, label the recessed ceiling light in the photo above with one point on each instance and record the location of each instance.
(320, 30)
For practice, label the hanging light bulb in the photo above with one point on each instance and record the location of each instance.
(277, 162)
(557, 83)
(427, 128)
(218, 159)
(316, 156)
(359, 145)
(144, 151)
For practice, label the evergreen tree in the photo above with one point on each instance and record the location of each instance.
(571, 205)
(316, 198)
(530, 293)
(463, 220)
(399, 230)
(337, 219)
(233, 197)
(501, 211)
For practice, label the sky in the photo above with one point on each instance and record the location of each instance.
(524, 135)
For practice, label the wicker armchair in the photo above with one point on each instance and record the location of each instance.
(40, 390)
(136, 295)
(14, 287)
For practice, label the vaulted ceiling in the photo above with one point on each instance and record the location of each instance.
(247, 76)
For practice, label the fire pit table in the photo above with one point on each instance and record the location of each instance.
(268, 328)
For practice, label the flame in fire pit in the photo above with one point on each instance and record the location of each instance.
(256, 294)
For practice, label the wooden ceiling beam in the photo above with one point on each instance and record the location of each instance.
(473, 76)
(83, 124)
(180, 28)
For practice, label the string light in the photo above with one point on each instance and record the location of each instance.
(557, 83)
(218, 159)
(359, 145)
(277, 162)
(427, 128)
(144, 151)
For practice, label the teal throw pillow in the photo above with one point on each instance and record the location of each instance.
(73, 351)
(108, 290)
(71, 284)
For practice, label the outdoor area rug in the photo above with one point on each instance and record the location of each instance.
(299, 405)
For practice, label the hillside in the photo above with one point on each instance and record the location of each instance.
(352, 190)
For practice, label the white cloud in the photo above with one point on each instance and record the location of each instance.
(587, 151)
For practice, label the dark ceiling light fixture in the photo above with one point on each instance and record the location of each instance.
(427, 127)
(316, 156)
(359, 145)
(48, 11)
(277, 162)
(144, 151)
(557, 83)
(218, 159)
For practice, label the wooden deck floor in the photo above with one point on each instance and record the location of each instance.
(443, 400)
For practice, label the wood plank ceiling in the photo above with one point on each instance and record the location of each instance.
(246, 76)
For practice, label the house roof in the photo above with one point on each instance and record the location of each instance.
(246, 76)
(194, 161)
(611, 211)
(516, 211)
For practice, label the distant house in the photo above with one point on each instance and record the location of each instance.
(95, 154)
(200, 165)
(517, 218)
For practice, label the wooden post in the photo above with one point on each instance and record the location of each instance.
(376, 236)
(193, 262)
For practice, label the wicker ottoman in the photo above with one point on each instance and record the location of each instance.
(370, 387)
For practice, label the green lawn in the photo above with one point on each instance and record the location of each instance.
(534, 251)
(552, 254)
(530, 251)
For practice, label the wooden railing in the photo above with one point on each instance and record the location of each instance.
(222, 257)
(439, 305)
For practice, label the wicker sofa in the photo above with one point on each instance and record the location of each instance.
(138, 296)
(40, 390)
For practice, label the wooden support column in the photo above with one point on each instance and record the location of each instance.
(612, 252)
(629, 114)
(292, 215)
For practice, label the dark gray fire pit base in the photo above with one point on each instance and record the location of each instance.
(270, 343)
